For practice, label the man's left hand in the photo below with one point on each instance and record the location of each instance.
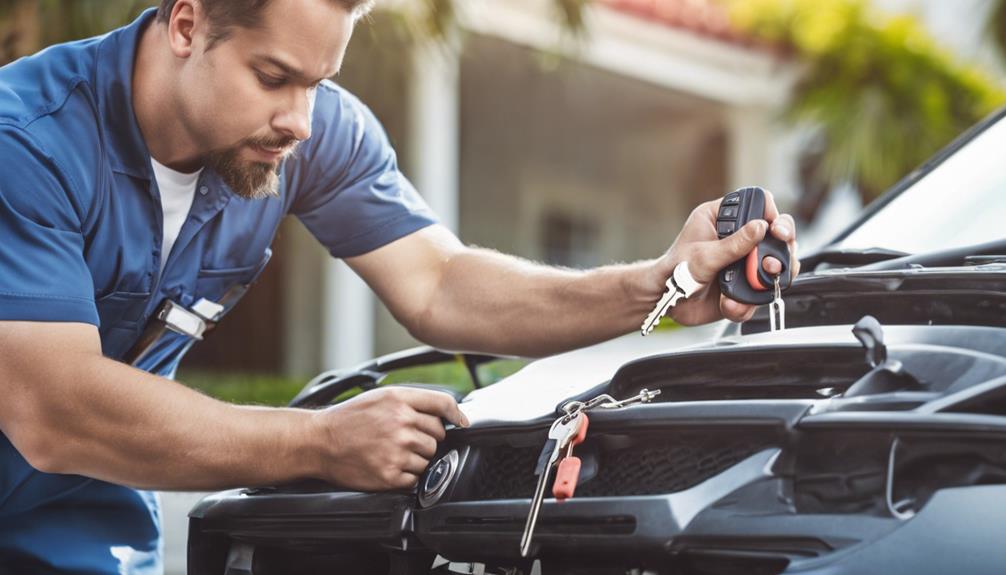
(706, 255)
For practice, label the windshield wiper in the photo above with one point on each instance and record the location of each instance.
(849, 257)
(942, 258)
(875, 259)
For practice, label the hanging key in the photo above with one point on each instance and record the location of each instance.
(777, 307)
(562, 431)
(568, 474)
(680, 285)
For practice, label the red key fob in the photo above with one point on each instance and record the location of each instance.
(565, 478)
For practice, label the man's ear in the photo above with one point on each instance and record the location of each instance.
(186, 17)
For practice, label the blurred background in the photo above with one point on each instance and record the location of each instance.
(582, 132)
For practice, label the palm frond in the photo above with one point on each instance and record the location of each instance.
(882, 93)
(997, 26)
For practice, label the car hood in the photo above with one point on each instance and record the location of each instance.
(914, 297)
(539, 387)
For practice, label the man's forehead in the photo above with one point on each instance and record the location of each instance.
(301, 37)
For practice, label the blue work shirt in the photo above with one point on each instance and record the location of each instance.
(80, 241)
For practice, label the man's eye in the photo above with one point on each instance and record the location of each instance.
(270, 81)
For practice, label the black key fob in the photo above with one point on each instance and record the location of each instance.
(746, 280)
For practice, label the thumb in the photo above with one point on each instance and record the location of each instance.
(721, 253)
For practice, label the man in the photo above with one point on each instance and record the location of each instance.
(153, 164)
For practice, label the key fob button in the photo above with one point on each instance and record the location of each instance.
(745, 280)
(725, 227)
(728, 212)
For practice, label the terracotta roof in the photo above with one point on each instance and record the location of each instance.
(702, 17)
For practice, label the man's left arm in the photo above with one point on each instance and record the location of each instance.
(466, 298)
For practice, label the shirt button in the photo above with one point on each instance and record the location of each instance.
(203, 190)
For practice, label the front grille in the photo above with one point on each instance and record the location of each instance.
(625, 466)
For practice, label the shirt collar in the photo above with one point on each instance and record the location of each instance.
(127, 152)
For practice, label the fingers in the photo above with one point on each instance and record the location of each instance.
(433, 403)
(405, 481)
(784, 228)
(736, 311)
(772, 265)
(771, 211)
(718, 254)
(415, 464)
(795, 258)
(418, 432)
(431, 426)
(386, 437)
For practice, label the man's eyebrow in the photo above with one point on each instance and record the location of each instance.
(289, 70)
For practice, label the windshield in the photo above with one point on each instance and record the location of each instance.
(961, 202)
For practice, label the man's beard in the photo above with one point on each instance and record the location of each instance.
(252, 180)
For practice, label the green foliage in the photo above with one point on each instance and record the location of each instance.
(49, 22)
(884, 95)
(244, 388)
(277, 390)
(64, 20)
(455, 374)
(571, 14)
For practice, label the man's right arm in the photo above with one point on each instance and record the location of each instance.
(68, 409)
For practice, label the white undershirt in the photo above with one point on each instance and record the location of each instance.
(177, 190)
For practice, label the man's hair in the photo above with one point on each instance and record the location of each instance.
(225, 15)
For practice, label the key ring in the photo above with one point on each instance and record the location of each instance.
(574, 407)
(571, 408)
(605, 401)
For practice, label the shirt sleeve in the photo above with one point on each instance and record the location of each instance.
(348, 190)
(43, 273)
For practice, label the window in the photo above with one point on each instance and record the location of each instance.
(569, 240)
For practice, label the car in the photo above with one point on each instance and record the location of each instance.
(869, 436)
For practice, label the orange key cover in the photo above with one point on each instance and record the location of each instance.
(751, 271)
(569, 468)
(565, 478)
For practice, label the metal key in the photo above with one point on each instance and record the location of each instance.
(778, 306)
(562, 431)
(568, 473)
(681, 284)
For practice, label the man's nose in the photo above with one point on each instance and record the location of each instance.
(295, 119)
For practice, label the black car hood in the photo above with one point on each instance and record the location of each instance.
(801, 451)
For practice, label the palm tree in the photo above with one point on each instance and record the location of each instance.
(997, 25)
(883, 95)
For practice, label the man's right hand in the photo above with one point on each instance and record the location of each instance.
(384, 439)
